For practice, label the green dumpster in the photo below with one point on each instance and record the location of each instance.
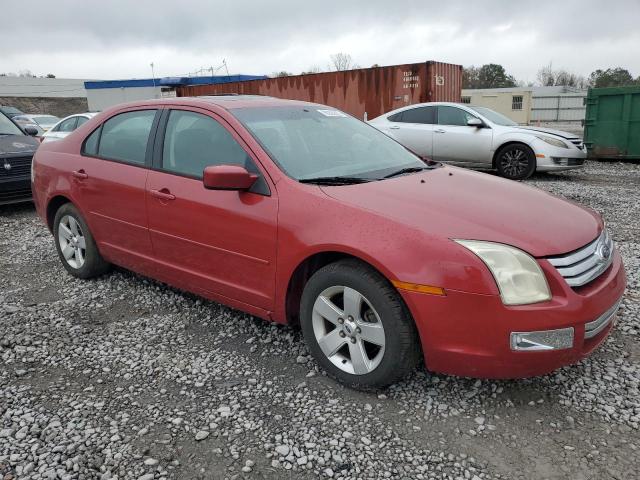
(612, 123)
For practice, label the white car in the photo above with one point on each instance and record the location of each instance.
(41, 122)
(478, 137)
(65, 126)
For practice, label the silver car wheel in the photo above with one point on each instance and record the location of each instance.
(72, 242)
(348, 330)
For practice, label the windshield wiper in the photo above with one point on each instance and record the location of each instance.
(402, 171)
(335, 180)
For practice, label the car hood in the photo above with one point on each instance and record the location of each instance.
(20, 144)
(552, 131)
(450, 202)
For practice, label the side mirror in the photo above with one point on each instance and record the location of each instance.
(33, 131)
(228, 177)
(475, 122)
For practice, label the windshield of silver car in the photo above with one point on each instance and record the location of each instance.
(493, 116)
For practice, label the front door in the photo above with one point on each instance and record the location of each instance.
(456, 142)
(220, 242)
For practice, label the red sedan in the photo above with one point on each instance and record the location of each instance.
(300, 214)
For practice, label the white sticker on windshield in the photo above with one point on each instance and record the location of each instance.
(332, 113)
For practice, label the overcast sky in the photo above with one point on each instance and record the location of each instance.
(119, 39)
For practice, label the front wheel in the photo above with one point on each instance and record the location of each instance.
(357, 327)
(516, 161)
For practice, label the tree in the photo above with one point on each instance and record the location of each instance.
(491, 75)
(341, 61)
(313, 69)
(282, 73)
(50, 75)
(612, 77)
(548, 77)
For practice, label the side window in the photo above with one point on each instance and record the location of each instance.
(425, 115)
(396, 117)
(90, 146)
(453, 116)
(68, 125)
(193, 141)
(81, 121)
(125, 136)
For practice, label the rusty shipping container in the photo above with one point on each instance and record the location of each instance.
(371, 91)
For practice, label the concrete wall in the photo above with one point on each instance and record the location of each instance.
(102, 98)
(42, 87)
(502, 102)
(59, 106)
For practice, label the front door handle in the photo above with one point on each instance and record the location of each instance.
(440, 131)
(80, 174)
(163, 194)
(394, 127)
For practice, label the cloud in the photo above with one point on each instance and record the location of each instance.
(116, 39)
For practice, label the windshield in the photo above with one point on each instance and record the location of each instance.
(494, 117)
(7, 127)
(309, 142)
(45, 119)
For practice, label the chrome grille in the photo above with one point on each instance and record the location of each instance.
(585, 264)
(15, 166)
(592, 329)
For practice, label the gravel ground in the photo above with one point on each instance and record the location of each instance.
(123, 377)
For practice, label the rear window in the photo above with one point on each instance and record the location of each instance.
(425, 115)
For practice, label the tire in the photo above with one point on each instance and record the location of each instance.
(515, 161)
(378, 346)
(71, 233)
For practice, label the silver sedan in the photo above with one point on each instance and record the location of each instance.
(479, 137)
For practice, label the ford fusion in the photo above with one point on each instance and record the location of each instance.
(300, 214)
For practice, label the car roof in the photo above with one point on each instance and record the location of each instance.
(228, 102)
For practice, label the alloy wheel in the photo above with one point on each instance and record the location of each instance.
(73, 243)
(514, 162)
(348, 330)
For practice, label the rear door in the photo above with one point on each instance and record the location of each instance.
(110, 181)
(413, 128)
(211, 241)
(456, 142)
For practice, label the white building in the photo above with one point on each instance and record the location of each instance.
(42, 87)
(555, 106)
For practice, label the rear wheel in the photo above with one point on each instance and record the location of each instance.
(357, 327)
(75, 244)
(516, 161)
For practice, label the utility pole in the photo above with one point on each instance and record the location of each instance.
(153, 75)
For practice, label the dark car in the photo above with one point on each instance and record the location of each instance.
(16, 151)
(10, 111)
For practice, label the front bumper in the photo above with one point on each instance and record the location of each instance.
(15, 190)
(558, 159)
(469, 334)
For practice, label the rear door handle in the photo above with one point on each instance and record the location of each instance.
(79, 174)
(163, 194)
(440, 131)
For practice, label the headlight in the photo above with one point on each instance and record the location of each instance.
(518, 276)
(552, 141)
